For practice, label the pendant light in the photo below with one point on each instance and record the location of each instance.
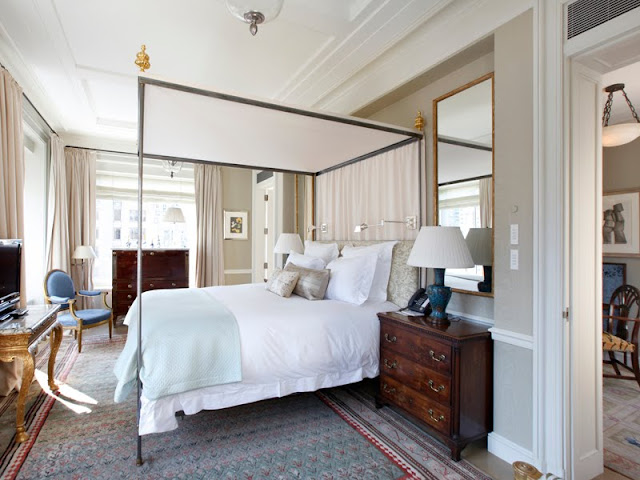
(254, 12)
(615, 135)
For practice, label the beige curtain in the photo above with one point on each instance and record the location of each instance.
(384, 187)
(308, 206)
(58, 252)
(209, 224)
(81, 200)
(12, 195)
(486, 203)
(12, 166)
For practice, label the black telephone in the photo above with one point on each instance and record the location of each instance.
(419, 302)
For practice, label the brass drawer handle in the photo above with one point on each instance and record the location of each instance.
(128, 296)
(152, 253)
(173, 284)
(431, 386)
(151, 285)
(389, 364)
(390, 339)
(387, 389)
(439, 358)
(437, 420)
(129, 286)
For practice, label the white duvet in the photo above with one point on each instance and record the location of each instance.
(288, 345)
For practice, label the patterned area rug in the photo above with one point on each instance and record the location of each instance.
(621, 423)
(336, 433)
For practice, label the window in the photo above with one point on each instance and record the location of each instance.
(117, 211)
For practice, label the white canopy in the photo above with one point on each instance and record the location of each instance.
(181, 122)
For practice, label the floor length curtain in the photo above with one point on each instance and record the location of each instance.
(486, 203)
(384, 187)
(12, 195)
(81, 188)
(58, 251)
(209, 224)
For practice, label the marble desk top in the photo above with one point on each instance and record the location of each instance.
(30, 322)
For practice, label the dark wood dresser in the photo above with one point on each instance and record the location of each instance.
(160, 269)
(442, 375)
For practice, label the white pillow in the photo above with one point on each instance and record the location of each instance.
(351, 278)
(305, 261)
(326, 251)
(384, 252)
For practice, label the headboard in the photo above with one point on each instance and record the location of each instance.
(403, 280)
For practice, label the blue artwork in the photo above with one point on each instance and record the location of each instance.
(613, 276)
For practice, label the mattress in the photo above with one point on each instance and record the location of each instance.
(288, 345)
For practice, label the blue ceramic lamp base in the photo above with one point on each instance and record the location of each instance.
(439, 297)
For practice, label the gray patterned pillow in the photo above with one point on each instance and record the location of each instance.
(282, 283)
(312, 284)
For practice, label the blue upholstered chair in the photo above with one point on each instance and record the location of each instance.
(59, 289)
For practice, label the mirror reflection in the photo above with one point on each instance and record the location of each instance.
(463, 153)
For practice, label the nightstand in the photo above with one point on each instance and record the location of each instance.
(441, 375)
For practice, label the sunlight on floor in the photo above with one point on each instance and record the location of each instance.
(68, 392)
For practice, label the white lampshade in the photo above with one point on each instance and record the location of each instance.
(615, 135)
(173, 215)
(479, 243)
(440, 247)
(288, 242)
(84, 252)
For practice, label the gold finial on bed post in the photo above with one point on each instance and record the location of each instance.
(142, 59)
(419, 121)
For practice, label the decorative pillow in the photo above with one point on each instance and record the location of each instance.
(351, 278)
(304, 261)
(282, 283)
(384, 250)
(312, 284)
(326, 251)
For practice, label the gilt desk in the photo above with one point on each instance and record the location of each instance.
(18, 339)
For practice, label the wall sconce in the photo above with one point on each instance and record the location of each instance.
(324, 228)
(410, 222)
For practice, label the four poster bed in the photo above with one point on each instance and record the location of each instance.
(266, 345)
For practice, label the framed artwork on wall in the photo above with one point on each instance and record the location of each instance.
(613, 276)
(236, 225)
(621, 224)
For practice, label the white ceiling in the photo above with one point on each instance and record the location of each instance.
(77, 56)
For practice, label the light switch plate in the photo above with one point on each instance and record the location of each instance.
(514, 234)
(514, 259)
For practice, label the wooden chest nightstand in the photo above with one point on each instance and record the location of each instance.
(442, 375)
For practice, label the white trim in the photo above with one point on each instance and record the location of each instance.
(512, 338)
(475, 318)
(238, 271)
(507, 450)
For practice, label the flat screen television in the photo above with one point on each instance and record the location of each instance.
(10, 255)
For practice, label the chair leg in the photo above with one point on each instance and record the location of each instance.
(636, 367)
(110, 325)
(79, 340)
(614, 362)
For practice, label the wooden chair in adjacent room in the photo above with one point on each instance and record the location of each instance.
(59, 289)
(620, 334)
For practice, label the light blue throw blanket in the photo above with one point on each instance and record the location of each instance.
(189, 340)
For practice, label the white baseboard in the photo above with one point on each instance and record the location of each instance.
(507, 450)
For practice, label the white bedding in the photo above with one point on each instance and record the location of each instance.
(288, 345)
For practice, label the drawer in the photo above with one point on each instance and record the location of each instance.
(423, 349)
(156, 284)
(125, 286)
(433, 384)
(124, 298)
(420, 406)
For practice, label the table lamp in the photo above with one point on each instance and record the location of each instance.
(479, 242)
(84, 252)
(440, 248)
(288, 242)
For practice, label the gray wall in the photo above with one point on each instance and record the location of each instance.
(511, 308)
(621, 171)
(236, 188)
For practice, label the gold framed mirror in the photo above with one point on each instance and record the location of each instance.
(463, 152)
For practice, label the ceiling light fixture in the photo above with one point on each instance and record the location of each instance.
(615, 135)
(172, 166)
(254, 12)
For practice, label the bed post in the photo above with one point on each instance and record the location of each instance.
(139, 266)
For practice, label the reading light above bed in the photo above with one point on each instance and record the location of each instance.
(410, 222)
